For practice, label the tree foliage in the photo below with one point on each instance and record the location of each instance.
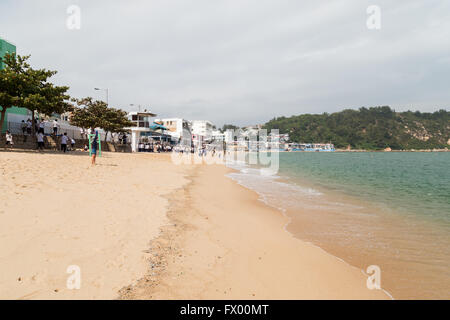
(228, 126)
(89, 113)
(23, 86)
(115, 120)
(93, 114)
(369, 128)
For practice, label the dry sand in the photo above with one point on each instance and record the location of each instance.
(56, 211)
(140, 227)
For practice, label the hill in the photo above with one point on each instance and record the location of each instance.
(369, 128)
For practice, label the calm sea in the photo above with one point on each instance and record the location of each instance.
(373, 208)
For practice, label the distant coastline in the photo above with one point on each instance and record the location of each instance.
(411, 150)
(369, 129)
(362, 150)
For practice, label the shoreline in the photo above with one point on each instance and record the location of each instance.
(360, 231)
(290, 219)
(175, 263)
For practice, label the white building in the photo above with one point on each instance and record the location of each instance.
(142, 122)
(218, 136)
(202, 128)
(141, 119)
(227, 136)
(175, 126)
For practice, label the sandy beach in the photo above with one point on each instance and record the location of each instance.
(57, 211)
(140, 227)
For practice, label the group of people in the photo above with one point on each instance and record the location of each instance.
(39, 125)
(154, 147)
(202, 150)
(65, 141)
(26, 127)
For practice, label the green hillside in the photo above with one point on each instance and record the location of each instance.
(369, 128)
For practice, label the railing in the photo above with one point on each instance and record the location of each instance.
(14, 127)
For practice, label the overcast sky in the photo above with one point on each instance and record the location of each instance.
(241, 61)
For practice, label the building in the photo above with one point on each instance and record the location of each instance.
(228, 136)
(13, 115)
(202, 128)
(142, 122)
(176, 126)
(141, 119)
(146, 130)
(218, 136)
(5, 47)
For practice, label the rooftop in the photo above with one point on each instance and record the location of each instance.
(142, 114)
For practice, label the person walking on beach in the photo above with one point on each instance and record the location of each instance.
(94, 147)
(40, 140)
(9, 139)
(64, 140)
(72, 144)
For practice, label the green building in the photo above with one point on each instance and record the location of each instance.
(6, 47)
(13, 115)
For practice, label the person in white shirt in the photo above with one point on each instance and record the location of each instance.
(9, 139)
(40, 140)
(64, 140)
(55, 127)
(72, 143)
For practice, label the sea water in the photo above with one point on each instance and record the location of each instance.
(389, 209)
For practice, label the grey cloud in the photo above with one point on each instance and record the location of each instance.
(241, 62)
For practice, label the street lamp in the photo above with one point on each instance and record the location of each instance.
(107, 94)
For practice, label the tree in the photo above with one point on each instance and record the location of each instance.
(369, 128)
(48, 99)
(114, 121)
(23, 86)
(228, 126)
(96, 114)
(89, 113)
(13, 81)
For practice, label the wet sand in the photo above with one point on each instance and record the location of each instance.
(223, 243)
